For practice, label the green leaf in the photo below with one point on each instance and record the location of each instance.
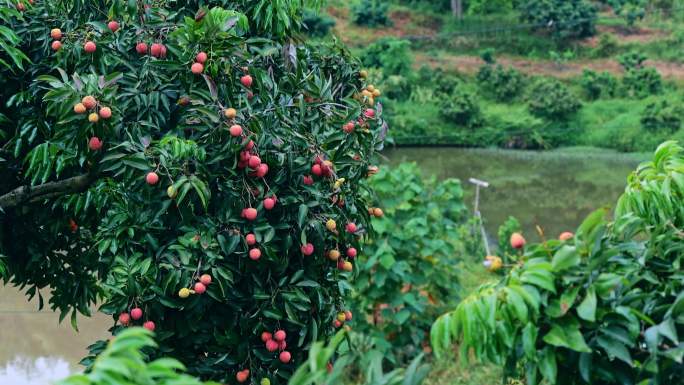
(587, 309)
(566, 333)
(529, 340)
(565, 258)
(301, 216)
(540, 278)
(547, 365)
(615, 349)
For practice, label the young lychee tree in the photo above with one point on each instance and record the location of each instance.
(178, 163)
(604, 305)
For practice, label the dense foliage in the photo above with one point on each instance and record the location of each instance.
(502, 83)
(564, 18)
(371, 13)
(176, 163)
(599, 85)
(408, 275)
(461, 108)
(606, 306)
(551, 99)
(642, 82)
(631, 10)
(320, 370)
(662, 115)
(390, 54)
(317, 23)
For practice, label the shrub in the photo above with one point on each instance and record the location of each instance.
(642, 82)
(503, 84)
(371, 13)
(551, 99)
(461, 108)
(607, 45)
(317, 24)
(445, 84)
(353, 364)
(390, 54)
(662, 115)
(409, 275)
(131, 210)
(598, 85)
(632, 60)
(599, 308)
(631, 10)
(487, 55)
(397, 87)
(564, 18)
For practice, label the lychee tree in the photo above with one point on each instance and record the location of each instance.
(604, 305)
(182, 164)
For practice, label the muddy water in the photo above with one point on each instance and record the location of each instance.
(34, 348)
(555, 189)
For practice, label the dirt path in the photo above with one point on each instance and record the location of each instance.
(411, 24)
(470, 65)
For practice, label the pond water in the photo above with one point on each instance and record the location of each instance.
(34, 348)
(554, 190)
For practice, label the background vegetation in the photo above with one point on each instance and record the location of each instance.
(483, 80)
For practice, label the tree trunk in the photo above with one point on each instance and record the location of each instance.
(457, 8)
(49, 190)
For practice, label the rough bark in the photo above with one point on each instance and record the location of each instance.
(23, 194)
(457, 8)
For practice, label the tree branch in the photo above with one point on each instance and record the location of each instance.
(25, 194)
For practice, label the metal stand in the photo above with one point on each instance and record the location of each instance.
(480, 183)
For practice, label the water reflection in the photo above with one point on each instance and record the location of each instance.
(555, 189)
(34, 371)
(34, 347)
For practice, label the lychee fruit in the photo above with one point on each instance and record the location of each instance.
(200, 288)
(105, 112)
(136, 313)
(94, 143)
(56, 33)
(235, 130)
(197, 68)
(149, 325)
(141, 48)
(517, 241)
(124, 319)
(201, 57)
(566, 235)
(246, 81)
(113, 26)
(285, 356)
(89, 47)
(151, 178)
(89, 102)
(279, 335)
(307, 249)
(250, 213)
(254, 254)
(271, 345)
